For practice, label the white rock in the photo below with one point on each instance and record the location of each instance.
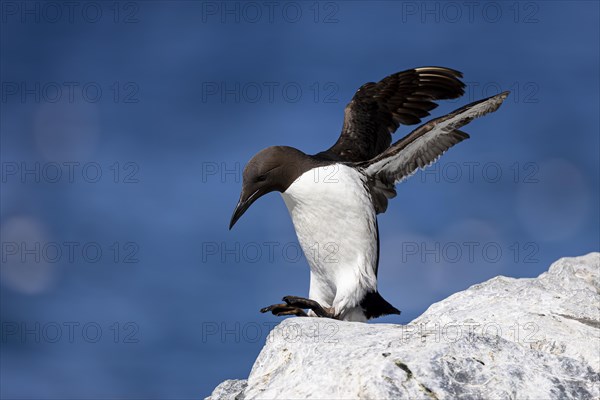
(229, 389)
(503, 339)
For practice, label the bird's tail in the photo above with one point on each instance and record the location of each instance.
(376, 306)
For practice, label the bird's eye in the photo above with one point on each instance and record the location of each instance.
(261, 178)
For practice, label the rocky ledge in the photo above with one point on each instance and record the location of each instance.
(505, 338)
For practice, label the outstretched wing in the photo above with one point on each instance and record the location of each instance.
(378, 109)
(422, 147)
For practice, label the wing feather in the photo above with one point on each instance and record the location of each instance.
(377, 110)
(422, 147)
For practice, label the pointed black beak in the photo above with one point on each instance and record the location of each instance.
(243, 204)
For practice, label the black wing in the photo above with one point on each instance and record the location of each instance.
(422, 147)
(378, 109)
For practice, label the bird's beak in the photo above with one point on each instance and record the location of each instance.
(243, 204)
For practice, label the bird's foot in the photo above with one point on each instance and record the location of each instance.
(305, 303)
(283, 309)
(295, 305)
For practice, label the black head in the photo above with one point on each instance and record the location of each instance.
(272, 169)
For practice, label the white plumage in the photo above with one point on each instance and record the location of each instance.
(334, 220)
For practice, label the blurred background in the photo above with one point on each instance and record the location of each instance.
(125, 127)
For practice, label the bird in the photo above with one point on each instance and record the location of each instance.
(335, 196)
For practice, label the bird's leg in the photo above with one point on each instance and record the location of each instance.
(284, 309)
(295, 305)
(301, 302)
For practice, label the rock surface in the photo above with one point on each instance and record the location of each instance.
(503, 339)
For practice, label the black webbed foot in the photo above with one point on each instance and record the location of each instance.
(283, 309)
(305, 303)
(295, 305)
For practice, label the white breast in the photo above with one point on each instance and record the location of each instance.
(334, 219)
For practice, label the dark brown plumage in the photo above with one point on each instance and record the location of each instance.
(377, 110)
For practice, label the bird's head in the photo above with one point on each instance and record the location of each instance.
(272, 169)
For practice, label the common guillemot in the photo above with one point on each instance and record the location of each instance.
(333, 197)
